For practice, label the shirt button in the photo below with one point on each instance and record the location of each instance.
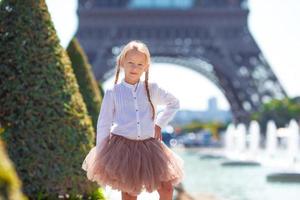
(138, 123)
(136, 110)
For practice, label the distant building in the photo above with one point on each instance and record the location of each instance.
(212, 113)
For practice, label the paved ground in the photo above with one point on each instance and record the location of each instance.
(115, 195)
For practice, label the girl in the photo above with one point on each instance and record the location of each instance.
(129, 154)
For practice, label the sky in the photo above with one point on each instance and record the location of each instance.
(273, 24)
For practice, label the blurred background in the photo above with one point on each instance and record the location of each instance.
(234, 66)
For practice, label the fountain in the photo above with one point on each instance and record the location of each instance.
(254, 133)
(241, 138)
(291, 173)
(238, 138)
(271, 141)
(229, 138)
(232, 139)
(293, 140)
(229, 145)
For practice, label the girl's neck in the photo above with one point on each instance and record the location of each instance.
(132, 82)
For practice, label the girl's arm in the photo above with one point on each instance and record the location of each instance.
(105, 118)
(164, 97)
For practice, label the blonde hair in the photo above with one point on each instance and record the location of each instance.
(141, 47)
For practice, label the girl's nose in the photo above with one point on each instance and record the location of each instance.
(135, 67)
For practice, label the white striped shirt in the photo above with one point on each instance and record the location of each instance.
(126, 111)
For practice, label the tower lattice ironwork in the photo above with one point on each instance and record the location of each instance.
(208, 36)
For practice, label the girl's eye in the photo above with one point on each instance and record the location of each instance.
(140, 64)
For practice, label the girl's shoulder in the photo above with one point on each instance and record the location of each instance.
(152, 84)
(113, 87)
(154, 88)
(110, 90)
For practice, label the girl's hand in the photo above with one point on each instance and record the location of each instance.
(158, 135)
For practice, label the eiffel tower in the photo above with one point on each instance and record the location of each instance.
(209, 36)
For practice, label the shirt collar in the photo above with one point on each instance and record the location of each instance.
(132, 86)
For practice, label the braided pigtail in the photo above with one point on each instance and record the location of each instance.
(148, 93)
(117, 69)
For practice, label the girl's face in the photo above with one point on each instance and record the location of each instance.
(134, 65)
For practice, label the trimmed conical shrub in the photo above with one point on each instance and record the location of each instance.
(87, 83)
(101, 89)
(47, 129)
(10, 184)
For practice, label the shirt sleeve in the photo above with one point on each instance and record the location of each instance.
(105, 118)
(164, 97)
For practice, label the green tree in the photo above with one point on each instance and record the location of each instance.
(281, 111)
(47, 127)
(88, 85)
(101, 89)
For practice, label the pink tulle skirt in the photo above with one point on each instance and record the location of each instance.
(133, 166)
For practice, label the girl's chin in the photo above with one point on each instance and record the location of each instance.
(132, 77)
